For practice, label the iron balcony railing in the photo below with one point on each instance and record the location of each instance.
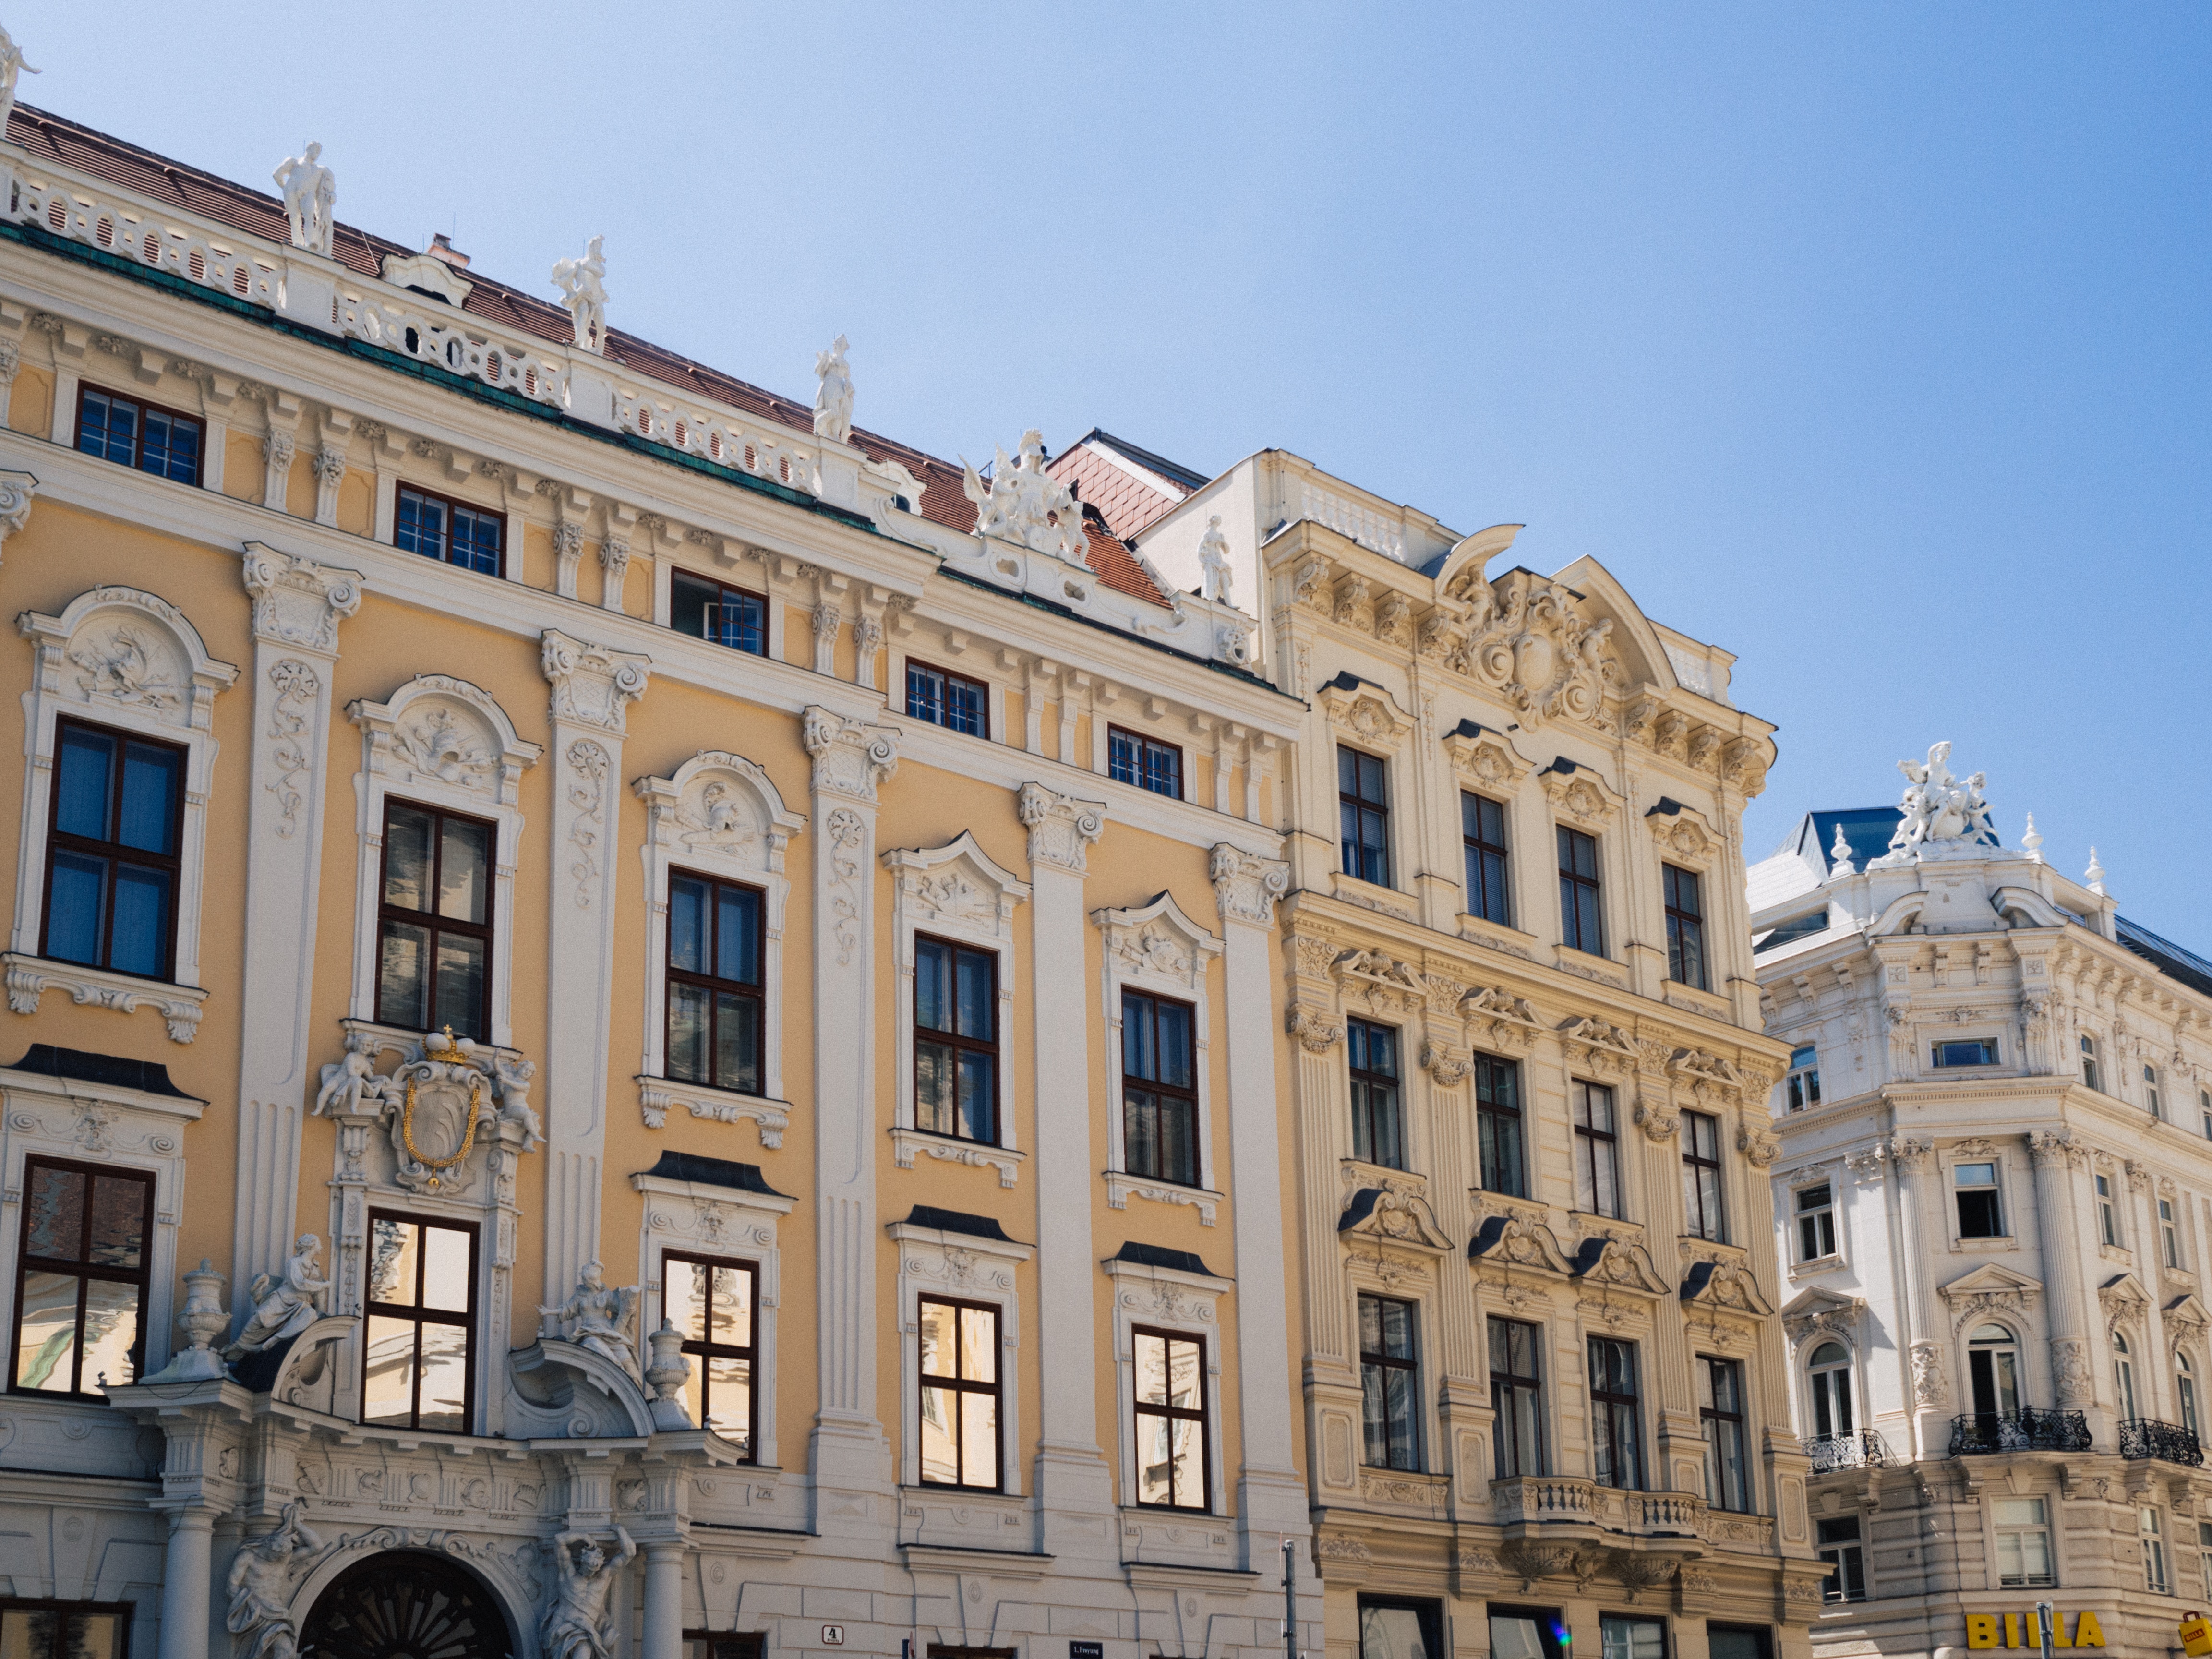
(2145, 1436)
(1861, 1449)
(2028, 1429)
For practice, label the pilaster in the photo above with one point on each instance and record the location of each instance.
(2056, 1157)
(16, 491)
(1926, 1385)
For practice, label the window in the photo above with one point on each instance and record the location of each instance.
(2185, 1392)
(715, 1017)
(80, 1277)
(959, 1395)
(708, 609)
(1838, 1545)
(137, 434)
(2089, 1061)
(1980, 1051)
(2108, 1214)
(711, 1303)
(112, 863)
(2169, 1236)
(952, 700)
(421, 1322)
(1389, 1382)
(2205, 1544)
(1738, 1642)
(1159, 1090)
(1394, 1628)
(2023, 1542)
(1526, 1633)
(1720, 1417)
(2204, 1110)
(433, 944)
(2123, 1379)
(1150, 765)
(1171, 1450)
(1993, 1372)
(1482, 834)
(65, 1630)
(1582, 920)
(1616, 1446)
(956, 1042)
(1362, 805)
(1597, 1152)
(2152, 1526)
(1803, 1082)
(438, 528)
(2150, 1091)
(1831, 1366)
(724, 1645)
(1816, 1223)
(1701, 1177)
(1620, 1637)
(1976, 1188)
(1517, 1396)
(1497, 1126)
(1377, 1132)
(1686, 927)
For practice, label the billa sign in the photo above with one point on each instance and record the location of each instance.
(2017, 1630)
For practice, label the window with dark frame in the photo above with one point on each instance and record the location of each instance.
(451, 532)
(1686, 927)
(1597, 1150)
(1363, 801)
(955, 1040)
(1389, 1382)
(715, 1013)
(710, 1301)
(1378, 1130)
(1526, 1634)
(2108, 1220)
(65, 1630)
(1980, 1214)
(1802, 1086)
(1499, 1154)
(1582, 913)
(1616, 1436)
(1623, 1636)
(1703, 1214)
(1132, 757)
(718, 613)
(1978, 1051)
(959, 1365)
(1482, 838)
(1838, 1545)
(434, 920)
(1170, 1409)
(417, 1369)
(1738, 1642)
(1400, 1627)
(1516, 1398)
(142, 436)
(1720, 1417)
(112, 839)
(80, 1277)
(724, 1645)
(952, 700)
(1159, 1089)
(1816, 1222)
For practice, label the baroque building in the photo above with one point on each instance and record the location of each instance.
(1994, 1199)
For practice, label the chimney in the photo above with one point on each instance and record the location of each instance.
(440, 248)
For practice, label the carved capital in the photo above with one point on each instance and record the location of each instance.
(1246, 885)
(1910, 1156)
(17, 490)
(1061, 828)
(1315, 1032)
(297, 602)
(2049, 1150)
(593, 685)
(851, 758)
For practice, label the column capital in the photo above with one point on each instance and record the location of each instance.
(296, 602)
(1246, 885)
(592, 684)
(851, 758)
(1061, 828)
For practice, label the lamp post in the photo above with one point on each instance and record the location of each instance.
(2043, 1627)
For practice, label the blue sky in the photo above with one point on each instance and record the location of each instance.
(1867, 341)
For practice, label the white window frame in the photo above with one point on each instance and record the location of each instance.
(1952, 1164)
(952, 657)
(478, 761)
(957, 892)
(124, 659)
(1850, 1388)
(1155, 948)
(2108, 1211)
(1835, 1226)
(1168, 1299)
(2154, 1092)
(2171, 1255)
(1998, 1530)
(2158, 1563)
(746, 847)
(967, 1268)
(664, 603)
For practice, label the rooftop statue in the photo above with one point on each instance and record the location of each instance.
(1943, 815)
(1213, 562)
(11, 65)
(582, 283)
(833, 395)
(1024, 503)
(311, 196)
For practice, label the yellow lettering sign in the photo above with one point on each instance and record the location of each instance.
(1981, 1630)
(2088, 1632)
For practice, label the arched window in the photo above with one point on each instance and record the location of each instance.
(2124, 1378)
(1831, 1365)
(1993, 1372)
(2186, 1389)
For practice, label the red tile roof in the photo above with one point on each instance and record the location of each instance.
(1123, 500)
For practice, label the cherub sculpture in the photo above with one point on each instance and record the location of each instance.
(284, 1306)
(597, 1317)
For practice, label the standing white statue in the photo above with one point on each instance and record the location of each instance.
(597, 1317)
(582, 283)
(833, 393)
(579, 1625)
(284, 1306)
(261, 1589)
(311, 196)
(1213, 562)
(11, 65)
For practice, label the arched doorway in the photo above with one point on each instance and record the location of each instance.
(402, 1604)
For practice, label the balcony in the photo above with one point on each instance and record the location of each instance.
(2028, 1429)
(2144, 1437)
(1863, 1449)
(1526, 1504)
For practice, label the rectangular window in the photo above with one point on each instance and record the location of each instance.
(416, 1369)
(1703, 1214)
(2169, 1234)
(134, 433)
(1620, 1637)
(2090, 1063)
(1525, 1634)
(80, 1277)
(1362, 805)
(65, 1630)
(1816, 1223)
(111, 851)
(1581, 917)
(438, 527)
(2152, 1526)
(2023, 1542)
(1839, 1546)
(1497, 1126)
(2204, 1110)
(956, 1042)
(1378, 1133)
(711, 1302)
(1738, 1642)
(2204, 1557)
(708, 609)
(1720, 1416)
(1482, 834)
(952, 700)
(959, 1395)
(1130, 758)
(433, 942)
(1159, 1090)
(1803, 1082)
(2150, 1091)
(714, 1007)
(1171, 1448)
(1393, 1627)
(1980, 1051)
(1389, 1382)
(1686, 927)
(1980, 1215)
(1517, 1396)
(1616, 1438)
(1597, 1150)
(2108, 1215)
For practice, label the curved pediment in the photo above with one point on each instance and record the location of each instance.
(719, 807)
(1726, 1285)
(131, 650)
(1601, 1260)
(958, 884)
(444, 730)
(1157, 940)
(1635, 644)
(560, 1389)
(1508, 1239)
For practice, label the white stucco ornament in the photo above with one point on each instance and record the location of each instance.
(833, 393)
(597, 1316)
(583, 284)
(11, 66)
(1213, 562)
(311, 199)
(285, 1306)
(1024, 503)
(1944, 817)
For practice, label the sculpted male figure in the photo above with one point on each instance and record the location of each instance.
(11, 65)
(311, 193)
(578, 1624)
(583, 286)
(260, 1590)
(833, 397)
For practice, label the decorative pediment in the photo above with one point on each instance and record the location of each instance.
(1817, 1313)
(2185, 1317)
(1685, 835)
(1496, 1018)
(1728, 1286)
(1394, 1217)
(1705, 1073)
(1157, 941)
(120, 648)
(1510, 1239)
(1580, 795)
(1526, 636)
(1383, 980)
(721, 809)
(1487, 758)
(1365, 712)
(558, 1388)
(447, 733)
(957, 886)
(1620, 1262)
(1599, 1046)
(2124, 1300)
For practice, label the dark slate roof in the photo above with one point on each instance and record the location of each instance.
(713, 1172)
(2171, 959)
(143, 1075)
(956, 1221)
(1158, 1255)
(1867, 831)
